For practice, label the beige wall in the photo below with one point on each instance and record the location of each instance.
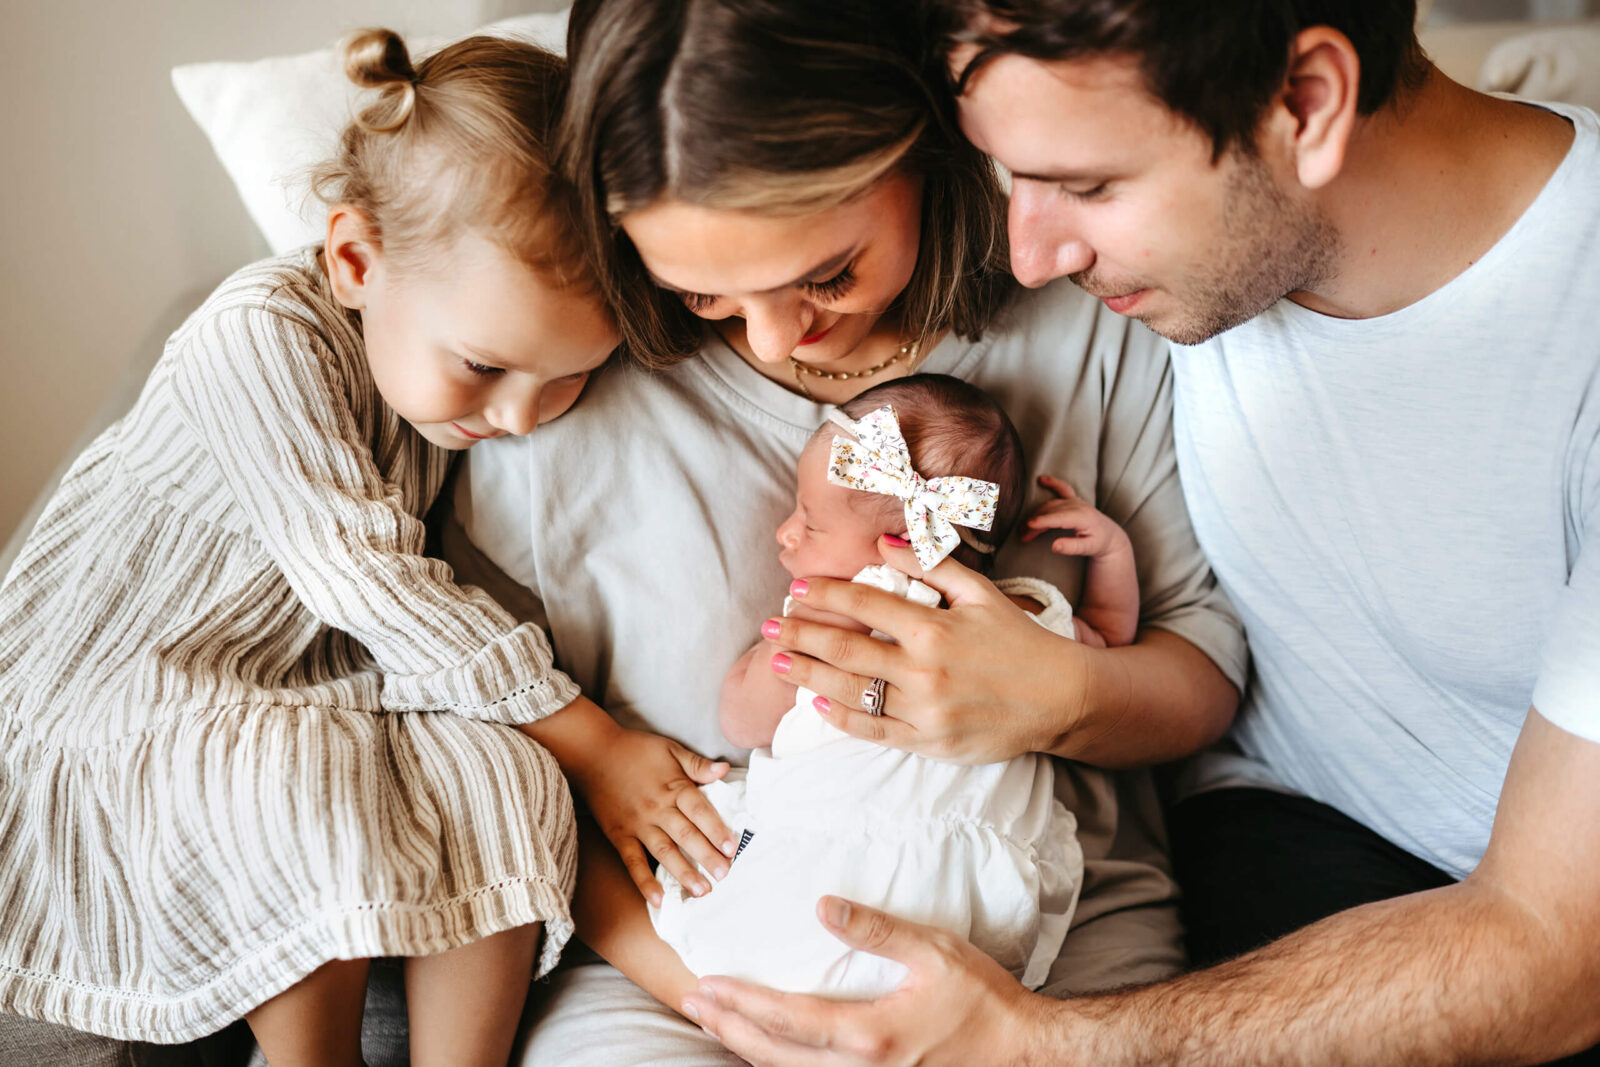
(114, 211)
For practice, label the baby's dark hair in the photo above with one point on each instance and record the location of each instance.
(953, 429)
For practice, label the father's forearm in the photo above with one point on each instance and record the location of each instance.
(1158, 699)
(1460, 975)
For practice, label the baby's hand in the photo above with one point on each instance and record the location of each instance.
(644, 796)
(1085, 531)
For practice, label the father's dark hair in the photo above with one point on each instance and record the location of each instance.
(1217, 63)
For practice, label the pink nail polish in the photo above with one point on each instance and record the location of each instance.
(822, 705)
(781, 663)
(769, 629)
(798, 587)
(897, 541)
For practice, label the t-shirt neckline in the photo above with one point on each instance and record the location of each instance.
(1585, 142)
(741, 383)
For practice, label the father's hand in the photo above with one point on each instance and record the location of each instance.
(976, 682)
(956, 1006)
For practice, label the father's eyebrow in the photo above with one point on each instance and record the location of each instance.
(826, 269)
(1059, 176)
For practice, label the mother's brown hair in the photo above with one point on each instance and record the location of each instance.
(780, 107)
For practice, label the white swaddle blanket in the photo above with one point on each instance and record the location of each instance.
(986, 852)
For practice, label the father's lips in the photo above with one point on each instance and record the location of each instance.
(1124, 303)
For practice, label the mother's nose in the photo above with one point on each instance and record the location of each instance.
(774, 326)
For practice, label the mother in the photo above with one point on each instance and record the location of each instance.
(786, 219)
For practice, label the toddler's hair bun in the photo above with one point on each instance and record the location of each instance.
(378, 59)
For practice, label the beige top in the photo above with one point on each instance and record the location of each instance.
(201, 646)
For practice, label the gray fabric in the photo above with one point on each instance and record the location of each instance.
(30, 1043)
(591, 1015)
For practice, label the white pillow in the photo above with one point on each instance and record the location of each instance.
(273, 120)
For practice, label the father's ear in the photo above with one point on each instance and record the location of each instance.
(1316, 110)
(350, 255)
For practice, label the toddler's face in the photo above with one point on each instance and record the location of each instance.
(831, 533)
(477, 345)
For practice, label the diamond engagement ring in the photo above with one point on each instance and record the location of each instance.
(872, 697)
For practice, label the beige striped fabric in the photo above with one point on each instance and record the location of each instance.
(237, 703)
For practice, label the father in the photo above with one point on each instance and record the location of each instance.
(1383, 289)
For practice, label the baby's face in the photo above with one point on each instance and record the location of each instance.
(828, 535)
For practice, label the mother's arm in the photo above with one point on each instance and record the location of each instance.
(980, 682)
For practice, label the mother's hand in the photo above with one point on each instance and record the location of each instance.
(956, 1006)
(976, 682)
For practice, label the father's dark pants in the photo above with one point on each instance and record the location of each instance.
(1256, 864)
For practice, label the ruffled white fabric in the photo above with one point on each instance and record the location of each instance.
(986, 852)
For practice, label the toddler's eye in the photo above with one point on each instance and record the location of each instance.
(482, 369)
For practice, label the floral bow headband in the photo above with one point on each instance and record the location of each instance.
(878, 461)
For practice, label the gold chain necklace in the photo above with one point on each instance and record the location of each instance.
(909, 349)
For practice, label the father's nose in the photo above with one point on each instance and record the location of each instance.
(1045, 243)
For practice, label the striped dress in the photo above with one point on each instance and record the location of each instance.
(246, 726)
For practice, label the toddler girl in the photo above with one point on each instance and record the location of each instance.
(984, 851)
(225, 662)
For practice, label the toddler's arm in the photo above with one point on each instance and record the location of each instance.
(1107, 613)
(270, 399)
(612, 919)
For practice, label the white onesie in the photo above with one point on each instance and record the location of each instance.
(986, 852)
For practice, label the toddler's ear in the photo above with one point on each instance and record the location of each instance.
(350, 255)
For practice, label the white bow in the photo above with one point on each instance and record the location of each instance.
(878, 461)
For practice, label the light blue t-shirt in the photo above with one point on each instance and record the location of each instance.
(1399, 508)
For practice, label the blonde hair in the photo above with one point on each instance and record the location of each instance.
(784, 107)
(455, 143)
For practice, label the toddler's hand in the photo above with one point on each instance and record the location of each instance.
(1086, 530)
(643, 794)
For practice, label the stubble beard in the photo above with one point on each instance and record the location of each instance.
(1272, 246)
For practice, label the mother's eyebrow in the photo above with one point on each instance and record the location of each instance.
(826, 268)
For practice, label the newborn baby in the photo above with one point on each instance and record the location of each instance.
(986, 852)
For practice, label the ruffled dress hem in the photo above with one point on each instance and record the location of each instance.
(345, 931)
